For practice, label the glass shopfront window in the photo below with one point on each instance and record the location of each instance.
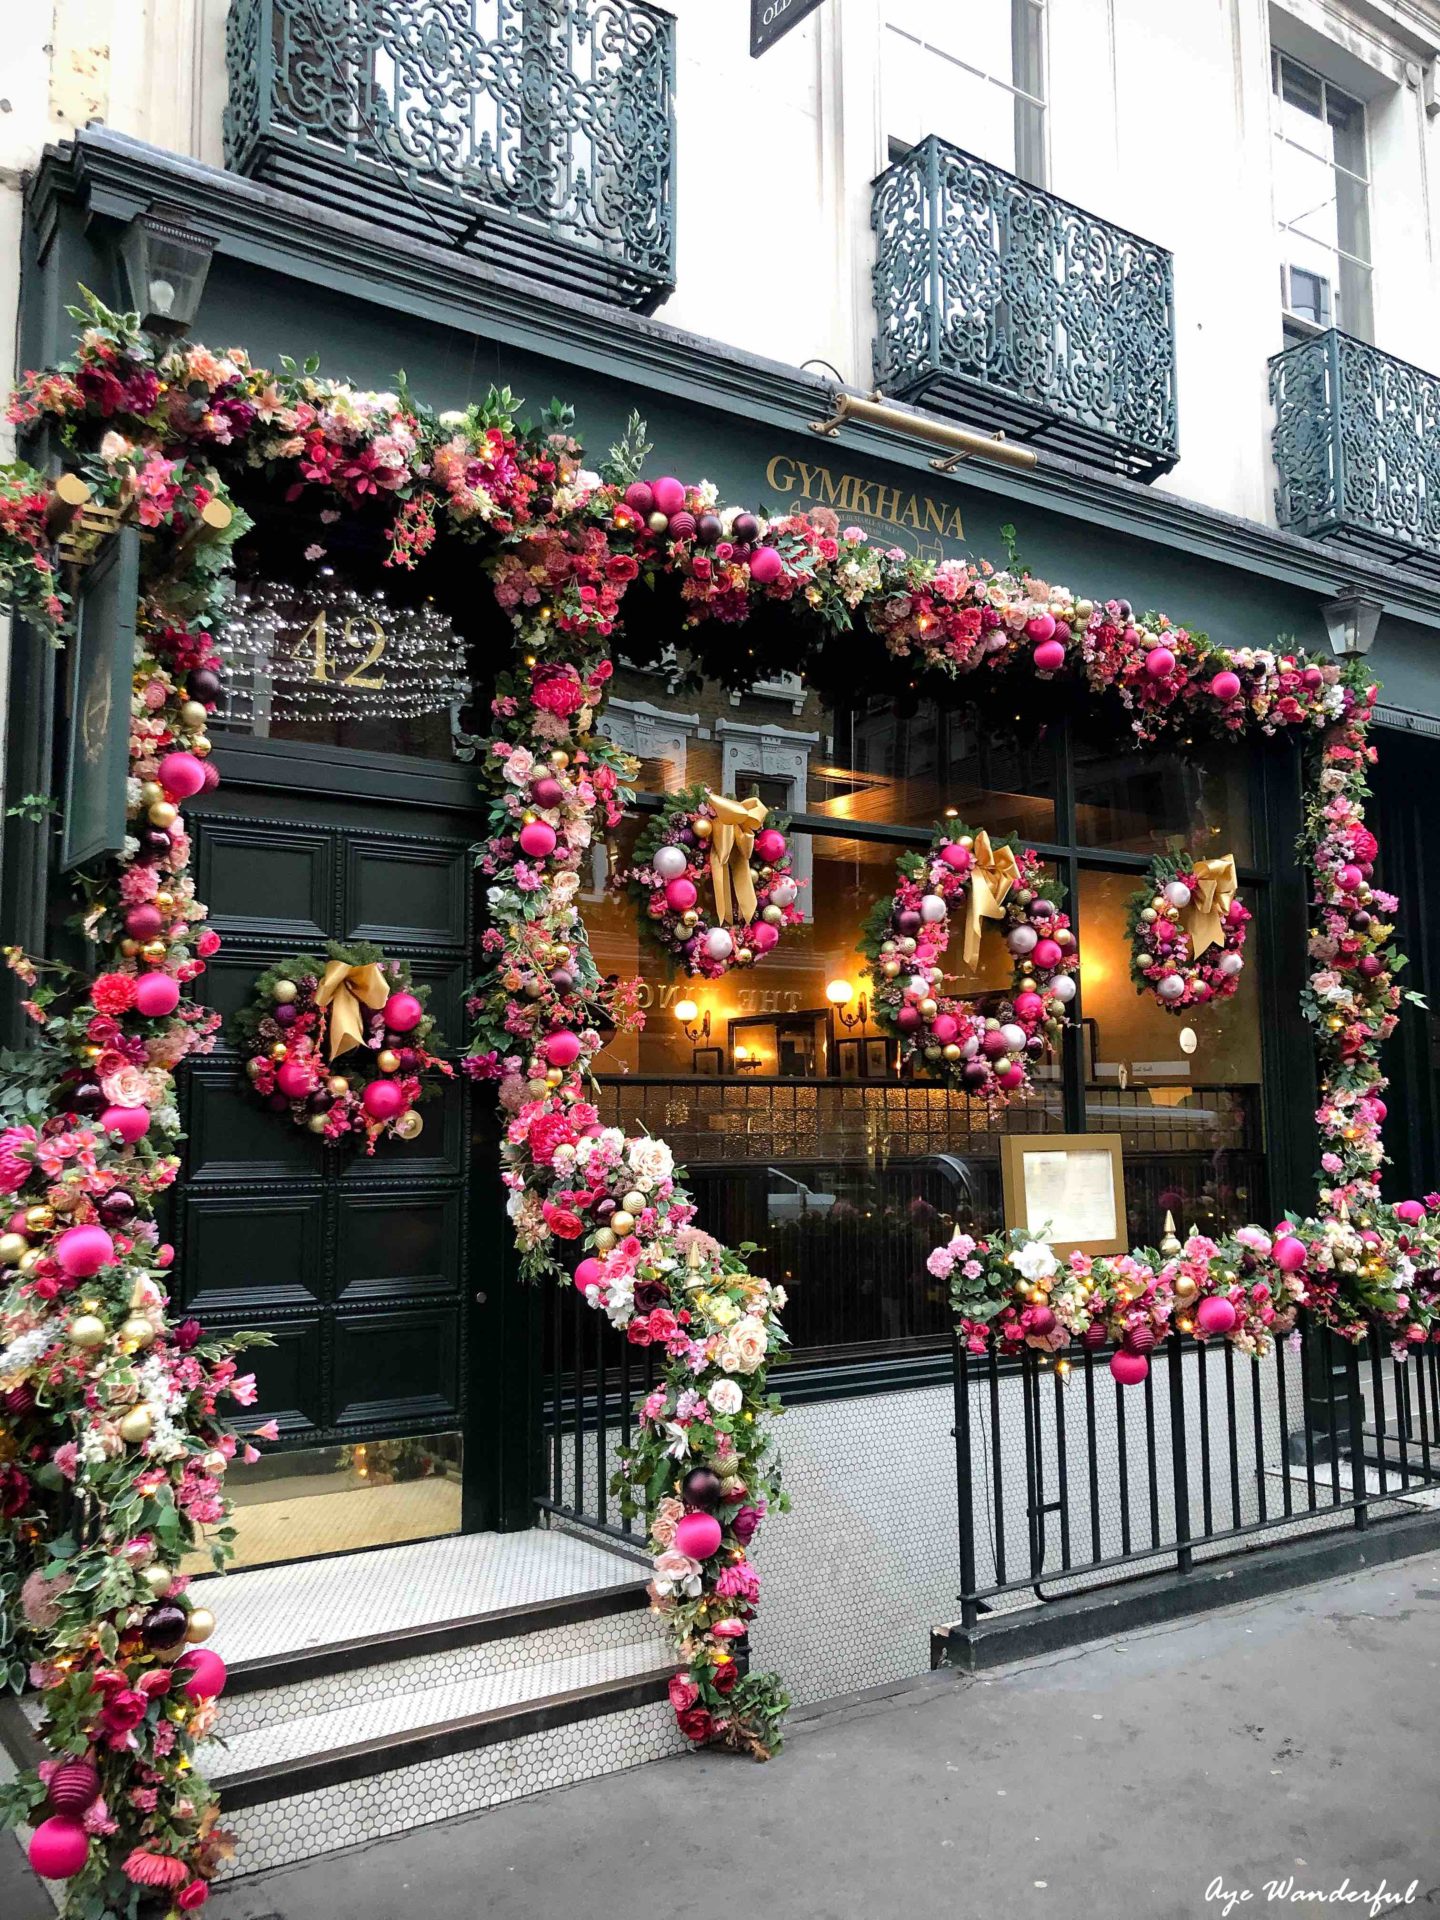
(783, 1098)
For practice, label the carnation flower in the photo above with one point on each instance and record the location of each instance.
(148, 1869)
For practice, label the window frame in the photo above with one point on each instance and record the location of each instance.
(1031, 166)
(1298, 325)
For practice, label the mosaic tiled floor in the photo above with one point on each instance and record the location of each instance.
(270, 1610)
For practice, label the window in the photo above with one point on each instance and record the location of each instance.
(784, 1101)
(973, 75)
(1322, 203)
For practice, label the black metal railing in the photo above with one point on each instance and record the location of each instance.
(592, 1381)
(1357, 448)
(538, 135)
(1003, 303)
(1067, 1481)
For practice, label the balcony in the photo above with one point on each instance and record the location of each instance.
(1000, 304)
(1357, 449)
(536, 135)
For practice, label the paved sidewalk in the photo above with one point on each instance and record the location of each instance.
(1290, 1739)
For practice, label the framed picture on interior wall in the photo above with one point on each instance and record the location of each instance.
(1067, 1187)
(708, 1063)
(849, 1061)
(102, 668)
(877, 1059)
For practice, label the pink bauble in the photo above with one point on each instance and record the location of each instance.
(131, 1123)
(1348, 877)
(1159, 662)
(1290, 1253)
(1049, 656)
(403, 1012)
(1225, 685)
(956, 857)
(1410, 1212)
(82, 1251)
(562, 1049)
(1048, 954)
(766, 566)
(295, 1080)
(770, 844)
(143, 923)
(945, 1028)
(204, 1674)
(181, 775)
(995, 1044)
(697, 1534)
(1040, 1320)
(1215, 1314)
(1378, 1108)
(1129, 1369)
(763, 936)
(1041, 626)
(1012, 1076)
(590, 1273)
(1371, 966)
(669, 494)
(1028, 1006)
(59, 1848)
(640, 498)
(383, 1099)
(537, 840)
(547, 792)
(156, 994)
(909, 1020)
(680, 895)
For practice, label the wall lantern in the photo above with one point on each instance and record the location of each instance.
(962, 443)
(1351, 622)
(165, 263)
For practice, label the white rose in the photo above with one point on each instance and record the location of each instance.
(651, 1161)
(1035, 1260)
(747, 1341)
(725, 1396)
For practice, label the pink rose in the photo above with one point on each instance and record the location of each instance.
(683, 1692)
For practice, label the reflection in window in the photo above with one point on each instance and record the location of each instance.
(1322, 194)
(1153, 801)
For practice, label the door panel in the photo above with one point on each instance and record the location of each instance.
(356, 1266)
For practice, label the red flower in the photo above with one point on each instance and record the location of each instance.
(123, 1711)
(208, 943)
(564, 1224)
(14, 1492)
(113, 993)
(723, 1678)
(696, 1724)
(193, 1895)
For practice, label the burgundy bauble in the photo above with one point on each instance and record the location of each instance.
(707, 529)
(682, 526)
(284, 1016)
(409, 1059)
(975, 1073)
(74, 1786)
(1094, 1335)
(154, 843)
(701, 1489)
(640, 499)
(203, 684)
(143, 922)
(908, 922)
(164, 1627)
(86, 1096)
(745, 527)
(547, 792)
(1139, 1339)
(117, 1206)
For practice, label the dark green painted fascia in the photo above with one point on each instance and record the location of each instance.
(113, 176)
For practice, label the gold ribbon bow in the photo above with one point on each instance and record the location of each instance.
(1210, 902)
(732, 841)
(342, 989)
(993, 872)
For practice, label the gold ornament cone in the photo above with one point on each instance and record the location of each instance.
(731, 844)
(343, 989)
(993, 872)
(1204, 918)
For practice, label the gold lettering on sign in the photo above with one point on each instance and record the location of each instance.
(316, 637)
(377, 647)
(848, 493)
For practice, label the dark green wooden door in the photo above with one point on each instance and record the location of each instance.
(358, 1268)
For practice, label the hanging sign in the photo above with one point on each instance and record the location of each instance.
(770, 19)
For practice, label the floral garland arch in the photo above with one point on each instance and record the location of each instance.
(166, 436)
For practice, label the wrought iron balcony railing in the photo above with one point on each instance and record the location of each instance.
(536, 134)
(1357, 448)
(999, 302)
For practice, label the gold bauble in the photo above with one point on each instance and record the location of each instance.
(200, 747)
(537, 1089)
(554, 1077)
(164, 901)
(409, 1126)
(690, 918)
(157, 1578)
(952, 1052)
(634, 1201)
(744, 957)
(193, 716)
(129, 948)
(891, 969)
(316, 1122)
(253, 1068)
(279, 1050)
(30, 1259)
(622, 1222)
(163, 813)
(1185, 1288)
(214, 1462)
(283, 992)
(39, 1219)
(150, 792)
(773, 916)
(559, 758)
(929, 1008)
(604, 1239)
(1084, 610)
(702, 829)
(387, 1061)
(137, 1331)
(154, 951)
(137, 1425)
(337, 1085)
(200, 1625)
(13, 1248)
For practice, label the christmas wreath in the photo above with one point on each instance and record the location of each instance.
(1186, 928)
(342, 1044)
(986, 1053)
(701, 840)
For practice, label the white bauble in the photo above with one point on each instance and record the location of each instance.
(1062, 987)
(933, 909)
(670, 862)
(970, 1046)
(718, 944)
(784, 892)
(1172, 987)
(1177, 893)
(1231, 964)
(1022, 940)
(917, 986)
(1013, 1036)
